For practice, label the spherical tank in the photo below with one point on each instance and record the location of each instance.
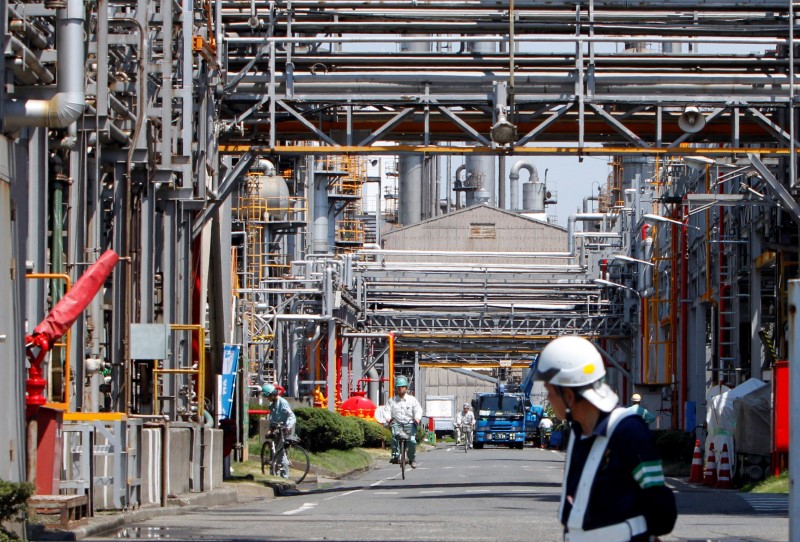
(274, 190)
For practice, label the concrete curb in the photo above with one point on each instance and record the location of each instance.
(102, 523)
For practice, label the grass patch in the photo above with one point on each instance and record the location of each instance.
(339, 462)
(772, 484)
(332, 463)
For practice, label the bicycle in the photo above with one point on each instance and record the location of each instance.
(466, 435)
(297, 456)
(402, 444)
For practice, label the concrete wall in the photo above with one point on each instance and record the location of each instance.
(179, 466)
(212, 459)
(151, 465)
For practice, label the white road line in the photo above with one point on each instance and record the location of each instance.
(345, 494)
(306, 506)
(431, 492)
(523, 491)
(478, 491)
(386, 492)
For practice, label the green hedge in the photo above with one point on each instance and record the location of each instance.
(374, 433)
(318, 428)
(352, 435)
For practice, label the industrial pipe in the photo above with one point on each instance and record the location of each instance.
(69, 102)
(514, 181)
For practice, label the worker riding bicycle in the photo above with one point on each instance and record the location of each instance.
(405, 416)
(281, 418)
(465, 425)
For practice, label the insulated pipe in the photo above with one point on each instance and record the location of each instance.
(29, 59)
(68, 104)
(586, 201)
(19, 23)
(410, 168)
(514, 181)
(583, 217)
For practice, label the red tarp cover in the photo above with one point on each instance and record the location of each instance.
(66, 311)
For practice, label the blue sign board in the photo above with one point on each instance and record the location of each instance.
(230, 361)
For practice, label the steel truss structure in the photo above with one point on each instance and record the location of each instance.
(130, 125)
(583, 73)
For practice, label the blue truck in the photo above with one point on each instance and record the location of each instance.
(499, 418)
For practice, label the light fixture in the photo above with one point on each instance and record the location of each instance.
(627, 258)
(698, 162)
(658, 218)
(617, 285)
(503, 132)
(691, 120)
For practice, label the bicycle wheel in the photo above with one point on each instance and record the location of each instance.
(298, 463)
(403, 458)
(267, 453)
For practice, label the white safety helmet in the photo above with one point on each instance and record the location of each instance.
(636, 398)
(573, 362)
(466, 405)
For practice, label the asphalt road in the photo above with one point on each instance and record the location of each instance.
(490, 494)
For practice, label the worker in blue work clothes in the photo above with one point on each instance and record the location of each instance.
(406, 413)
(613, 489)
(637, 408)
(281, 417)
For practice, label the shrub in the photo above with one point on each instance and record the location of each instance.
(13, 501)
(318, 428)
(374, 433)
(351, 435)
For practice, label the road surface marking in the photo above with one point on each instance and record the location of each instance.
(306, 506)
(478, 491)
(345, 494)
(431, 492)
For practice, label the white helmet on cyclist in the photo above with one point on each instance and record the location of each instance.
(574, 362)
(636, 398)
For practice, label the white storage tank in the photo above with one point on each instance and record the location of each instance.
(273, 190)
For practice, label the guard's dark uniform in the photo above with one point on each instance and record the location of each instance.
(629, 481)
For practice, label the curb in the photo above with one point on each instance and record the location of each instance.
(228, 494)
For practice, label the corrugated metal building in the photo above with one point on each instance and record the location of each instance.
(460, 383)
(481, 228)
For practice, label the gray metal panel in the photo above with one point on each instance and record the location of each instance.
(12, 370)
(149, 341)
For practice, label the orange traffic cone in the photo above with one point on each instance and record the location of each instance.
(696, 475)
(710, 474)
(724, 476)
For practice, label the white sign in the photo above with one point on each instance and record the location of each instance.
(439, 408)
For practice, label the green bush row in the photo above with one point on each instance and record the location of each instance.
(320, 430)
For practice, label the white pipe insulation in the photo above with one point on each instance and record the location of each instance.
(70, 101)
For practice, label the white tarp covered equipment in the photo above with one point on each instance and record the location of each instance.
(721, 419)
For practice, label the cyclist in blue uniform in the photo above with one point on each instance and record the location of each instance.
(614, 489)
(280, 413)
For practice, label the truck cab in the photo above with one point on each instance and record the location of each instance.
(499, 419)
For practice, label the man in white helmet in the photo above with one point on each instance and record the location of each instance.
(613, 488)
(467, 419)
(637, 408)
